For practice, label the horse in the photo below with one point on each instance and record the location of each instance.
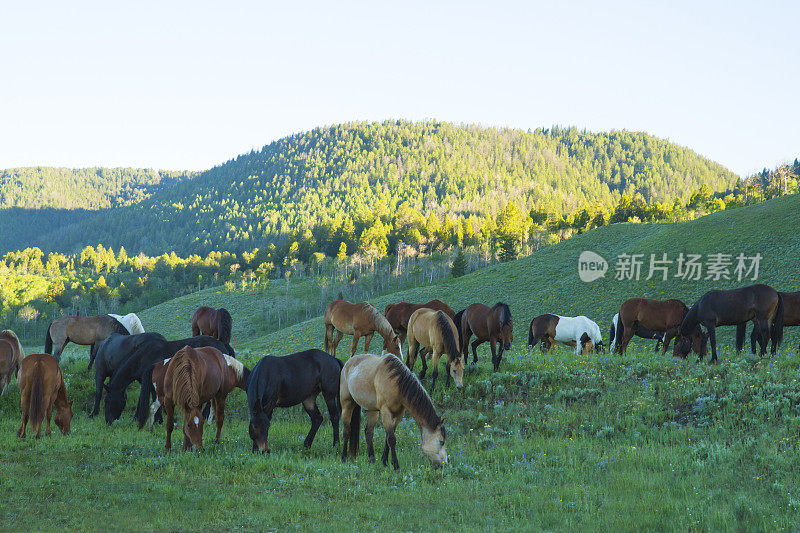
(11, 353)
(383, 385)
(493, 324)
(83, 330)
(193, 377)
(398, 314)
(357, 319)
(111, 354)
(658, 315)
(216, 323)
(290, 380)
(131, 322)
(41, 386)
(791, 317)
(138, 367)
(579, 332)
(760, 303)
(239, 377)
(615, 334)
(435, 331)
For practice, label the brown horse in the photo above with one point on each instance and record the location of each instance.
(435, 331)
(193, 377)
(41, 385)
(215, 323)
(656, 315)
(11, 354)
(398, 314)
(760, 303)
(83, 330)
(359, 320)
(791, 317)
(385, 387)
(493, 324)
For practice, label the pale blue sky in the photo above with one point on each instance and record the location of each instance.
(189, 85)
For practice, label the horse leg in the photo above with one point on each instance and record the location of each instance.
(474, 350)
(169, 408)
(763, 330)
(499, 357)
(348, 408)
(336, 340)
(435, 364)
(369, 433)
(354, 347)
(668, 336)
(367, 340)
(329, 333)
(311, 409)
(98, 393)
(24, 422)
(753, 337)
(712, 336)
(627, 335)
(389, 425)
(493, 345)
(48, 415)
(411, 355)
(334, 411)
(423, 356)
(153, 410)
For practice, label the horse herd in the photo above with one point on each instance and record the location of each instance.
(202, 370)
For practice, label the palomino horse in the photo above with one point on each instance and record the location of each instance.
(398, 314)
(83, 330)
(11, 353)
(384, 386)
(215, 323)
(579, 332)
(130, 321)
(615, 335)
(41, 386)
(193, 377)
(238, 376)
(493, 324)
(791, 317)
(435, 331)
(760, 303)
(359, 320)
(290, 380)
(658, 315)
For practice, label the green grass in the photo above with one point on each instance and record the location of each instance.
(552, 442)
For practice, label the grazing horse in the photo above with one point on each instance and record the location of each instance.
(493, 324)
(11, 353)
(615, 335)
(239, 376)
(398, 314)
(359, 319)
(83, 330)
(131, 322)
(579, 332)
(138, 367)
(215, 323)
(384, 386)
(791, 317)
(290, 380)
(760, 303)
(111, 354)
(193, 377)
(435, 331)
(657, 315)
(41, 386)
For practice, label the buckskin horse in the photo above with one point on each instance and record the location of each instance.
(215, 323)
(493, 324)
(435, 331)
(83, 330)
(41, 386)
(359, 320)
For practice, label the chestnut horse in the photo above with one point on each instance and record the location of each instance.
(41, 386)
(385, 387)
(493, 324)
(614, 335)
(359, 320)
(11, 353)
(760, 303)
(656, 315)
(398, 314)
(83, 330)
(435, 331)
(215, 323)
(791, 317)
(193, 377)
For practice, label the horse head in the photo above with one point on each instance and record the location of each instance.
(682, 346)
(193, 426)
(63, 417)
(433, 445)
(259, 427)
(457, 371)
(392, 344)
(115, 403)
(507, 335)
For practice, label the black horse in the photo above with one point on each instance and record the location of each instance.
(760, 303)
(139, 367)
(111, 354)
(290, 380)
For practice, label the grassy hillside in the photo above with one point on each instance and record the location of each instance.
(553, 441)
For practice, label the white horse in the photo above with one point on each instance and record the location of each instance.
(579, 330)
(131, 323)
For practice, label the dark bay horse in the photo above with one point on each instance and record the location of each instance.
(11, 353)
(290, 380)
(791, 317)
(399, 314)
(760, 303)
(83, 330)
(41, 386)
(493, 324)
(215, 323)
(656, 315)
(360, 319)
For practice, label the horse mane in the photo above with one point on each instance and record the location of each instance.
(184, 383)
(689, 321)
(411, 390)
(119, 327)
(236, 365)
(505, 313)
(449, 339)
(225, 326)
(380, 322)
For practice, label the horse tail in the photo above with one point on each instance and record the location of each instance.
(184, 385)
(741, 329)
(530, 333)
(612, 332)
(355, 430)
(225, 326)
(617, 344)
(777, 325)
(48, 340)
(146, 392)
(457, 322)
(447, 335)
(36, 406)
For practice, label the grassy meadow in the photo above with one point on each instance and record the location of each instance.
(551, 442)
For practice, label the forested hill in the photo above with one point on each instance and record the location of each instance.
(357, 182)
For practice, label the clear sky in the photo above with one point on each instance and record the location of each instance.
(189, 85)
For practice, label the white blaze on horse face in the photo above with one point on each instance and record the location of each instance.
(196, 421)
